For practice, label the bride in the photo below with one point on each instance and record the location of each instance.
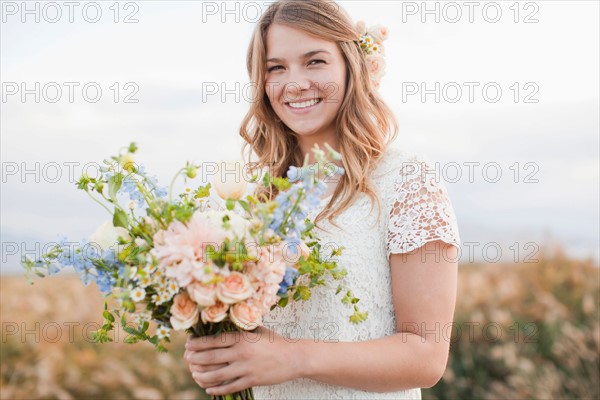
(393, 219)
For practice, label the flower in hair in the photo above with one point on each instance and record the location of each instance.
(371, 43)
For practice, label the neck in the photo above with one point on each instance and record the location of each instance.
(307, 143)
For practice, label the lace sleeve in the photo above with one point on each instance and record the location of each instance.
(420, 210)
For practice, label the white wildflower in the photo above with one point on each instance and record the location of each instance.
(163, 332)
(138, 294)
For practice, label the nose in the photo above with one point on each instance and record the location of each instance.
(297, 85)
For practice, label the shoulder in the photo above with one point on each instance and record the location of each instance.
(403, 164)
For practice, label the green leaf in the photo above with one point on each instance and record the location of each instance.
(120, 218)
(130, 339)
(283, 302)
(358, 317)
(244, 205)
(101, 336)
(129, 330)
(202, 191)
(106, 314)
(132, 147)
(161, 349)
(304, 268)
(114, 184)
(266, 179)
(281, 184)
(230, 204)
(304, 292)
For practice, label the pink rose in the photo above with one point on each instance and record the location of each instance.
(379, 33)
(234, 288)
(184, 312)
(216, 313)
(245, 316)
(375, 83)
(204, 295)
(270, 268)
(376, 66)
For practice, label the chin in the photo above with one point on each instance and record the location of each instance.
(305, 130)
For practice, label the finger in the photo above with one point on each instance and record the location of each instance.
(225, 339)
(211, 378)
(217, 377)
(205, 368)
(231, 387)
(215, 356)
(205, 384)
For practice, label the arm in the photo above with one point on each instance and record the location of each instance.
(424, 295)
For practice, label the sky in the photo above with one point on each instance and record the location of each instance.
(503, 95)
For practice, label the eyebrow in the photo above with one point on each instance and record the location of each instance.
(307, 55)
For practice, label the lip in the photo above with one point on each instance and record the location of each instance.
(305, 109)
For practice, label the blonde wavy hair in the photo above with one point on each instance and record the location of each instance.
(365, 124)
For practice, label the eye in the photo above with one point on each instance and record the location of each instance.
(274, 68)
(317, 61)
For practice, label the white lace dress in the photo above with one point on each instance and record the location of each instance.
(417, 210)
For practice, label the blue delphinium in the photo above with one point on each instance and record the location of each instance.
(81, 256)
(130, 186)
(159, 191)
(288, 279)
(313, 190)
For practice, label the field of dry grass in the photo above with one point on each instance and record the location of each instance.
(522, 331)
(47, 351)
(535, 332)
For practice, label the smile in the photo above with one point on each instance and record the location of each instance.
(304, 104)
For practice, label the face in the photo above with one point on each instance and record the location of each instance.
(305, 82)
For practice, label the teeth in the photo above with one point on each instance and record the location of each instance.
(304, 104)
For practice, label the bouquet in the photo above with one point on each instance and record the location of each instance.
(196, 265)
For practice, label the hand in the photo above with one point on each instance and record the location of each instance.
(233, 361)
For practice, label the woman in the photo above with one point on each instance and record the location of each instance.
(395, 223)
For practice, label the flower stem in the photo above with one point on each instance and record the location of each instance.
(300, 193)
(173, 183)
(98, 201)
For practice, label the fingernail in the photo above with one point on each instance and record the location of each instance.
(209, 391)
